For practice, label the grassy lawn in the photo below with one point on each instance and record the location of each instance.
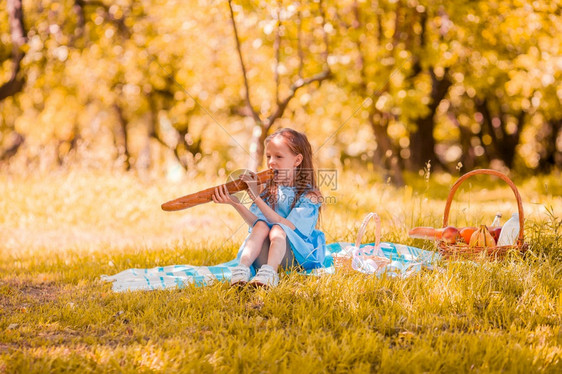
(60, 232)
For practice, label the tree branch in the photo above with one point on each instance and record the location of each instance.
(242, 65)
(356, 24)
(15, 15)
(276, 49)
(325, 74)
(416, 63)
(299, 43)
(78, 9)
(324, 34)
(292, 92)
(16, 143)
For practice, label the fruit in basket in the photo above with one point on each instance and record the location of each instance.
(482, 238)
(450, 235)
(466, 233)
(495, 231)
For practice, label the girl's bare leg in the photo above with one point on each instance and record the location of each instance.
(277, 246)
(263, 258)
(264, 254)
(253, 246)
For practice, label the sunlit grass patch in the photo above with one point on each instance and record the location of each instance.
(60, 233)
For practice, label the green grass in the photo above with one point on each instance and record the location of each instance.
(59, 233)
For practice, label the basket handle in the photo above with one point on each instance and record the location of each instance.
(489, 172)
(363, 228)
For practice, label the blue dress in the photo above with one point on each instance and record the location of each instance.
(307, 243)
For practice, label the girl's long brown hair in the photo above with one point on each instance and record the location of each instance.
(305, 176)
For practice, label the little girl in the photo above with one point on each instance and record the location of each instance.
(283, 216)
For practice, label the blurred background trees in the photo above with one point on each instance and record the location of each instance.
(197, 85)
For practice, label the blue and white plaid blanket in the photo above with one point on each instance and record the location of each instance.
(404, 261)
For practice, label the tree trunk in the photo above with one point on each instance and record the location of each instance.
(511, 141)
(19, 38)
(468, 157)
(78, 9)
(185, 147)
(122, 133)
(551, 158)
(503, 144)
(184, 143)
(257, 146)
(422, 142)
(386, 154)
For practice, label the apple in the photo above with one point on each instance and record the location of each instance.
(450, 234)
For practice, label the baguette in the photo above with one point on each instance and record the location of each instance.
(206, 195)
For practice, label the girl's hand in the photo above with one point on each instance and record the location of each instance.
(251, 180)
(221, 196)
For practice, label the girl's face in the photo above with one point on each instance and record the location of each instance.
(280, 158)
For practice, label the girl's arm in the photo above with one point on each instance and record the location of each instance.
(221, 196)
(249, 217)
(270, 214)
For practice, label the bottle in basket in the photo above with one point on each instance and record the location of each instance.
(496, 222)
(496, 227)
(510, 231)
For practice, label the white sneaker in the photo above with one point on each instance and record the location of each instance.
(266, 277)
(240, 275)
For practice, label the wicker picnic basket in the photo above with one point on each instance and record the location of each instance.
(343, 262)
(463, 250)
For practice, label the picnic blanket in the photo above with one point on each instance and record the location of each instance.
(404, 261)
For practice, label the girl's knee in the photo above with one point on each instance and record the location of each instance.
(260, 228)
(277, 233)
